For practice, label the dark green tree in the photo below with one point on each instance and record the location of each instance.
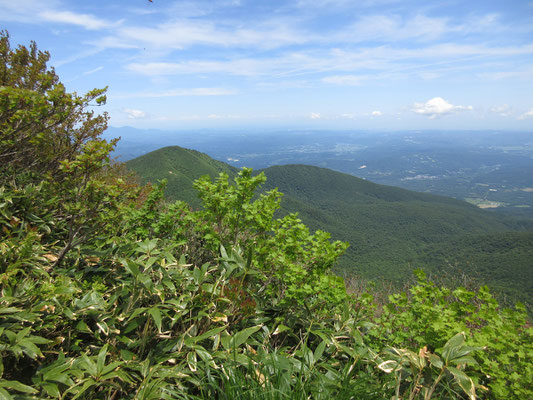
(41, 124)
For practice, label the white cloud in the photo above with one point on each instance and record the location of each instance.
(527, 114)
(348, 115)
(238, 67)
(517, 74)
(382, 62)
(377, 113)
(32, 11)
(93, 71)
(504, 111)
(224, 116)
(86, 73)
(344, 80)
(179, 92)
(22, 10)
(277, 31)
(395, 28)
(315, 116)
(436, 107)
(392, 28)
(329, 4)
(134, 114)
(429, 75)
(184, 33)
(86, 21)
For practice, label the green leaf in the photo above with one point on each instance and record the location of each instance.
(208, 288)
(16, 385)
(307, 355)
(464, 381)
(83, 327)
(131, 267)
(452, 347)
(319, 350)
(127, 355)
(203, 353)
(150, 262)
(79, 391)
(4, 395)
(51, 389)
(191, 361)
(59, 377)
(156, 316)
(100, 361)
(29, 348)
(389, 366)
(223, 252)
(196, 339)
(280, 329)
(435, 360)
(89, 365)
(239, 338)
(198, 275)
(9, 310)
(146, 281)
(110, 367)
(464, 360)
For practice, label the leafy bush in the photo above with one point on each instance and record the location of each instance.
(428, 315)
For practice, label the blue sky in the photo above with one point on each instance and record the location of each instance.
(347, 64)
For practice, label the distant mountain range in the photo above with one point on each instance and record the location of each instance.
(490, 169)
(391, 231)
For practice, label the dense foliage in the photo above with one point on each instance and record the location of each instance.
(108, 292)
(392, 231)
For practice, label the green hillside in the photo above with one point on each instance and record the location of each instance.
(180, 167)
(391, 231)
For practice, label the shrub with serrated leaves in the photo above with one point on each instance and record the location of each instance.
(428, 314)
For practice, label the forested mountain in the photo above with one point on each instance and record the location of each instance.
(180, 167)
(391, 231)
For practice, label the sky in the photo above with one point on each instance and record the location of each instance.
(313, 64)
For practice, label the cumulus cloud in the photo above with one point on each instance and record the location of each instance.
(377, 113)
(315, 116)
(135, 114)
(436, 107)
(527, 114)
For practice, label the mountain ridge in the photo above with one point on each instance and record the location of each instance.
(391, 230)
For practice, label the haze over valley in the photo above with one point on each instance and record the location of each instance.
(491, 169)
